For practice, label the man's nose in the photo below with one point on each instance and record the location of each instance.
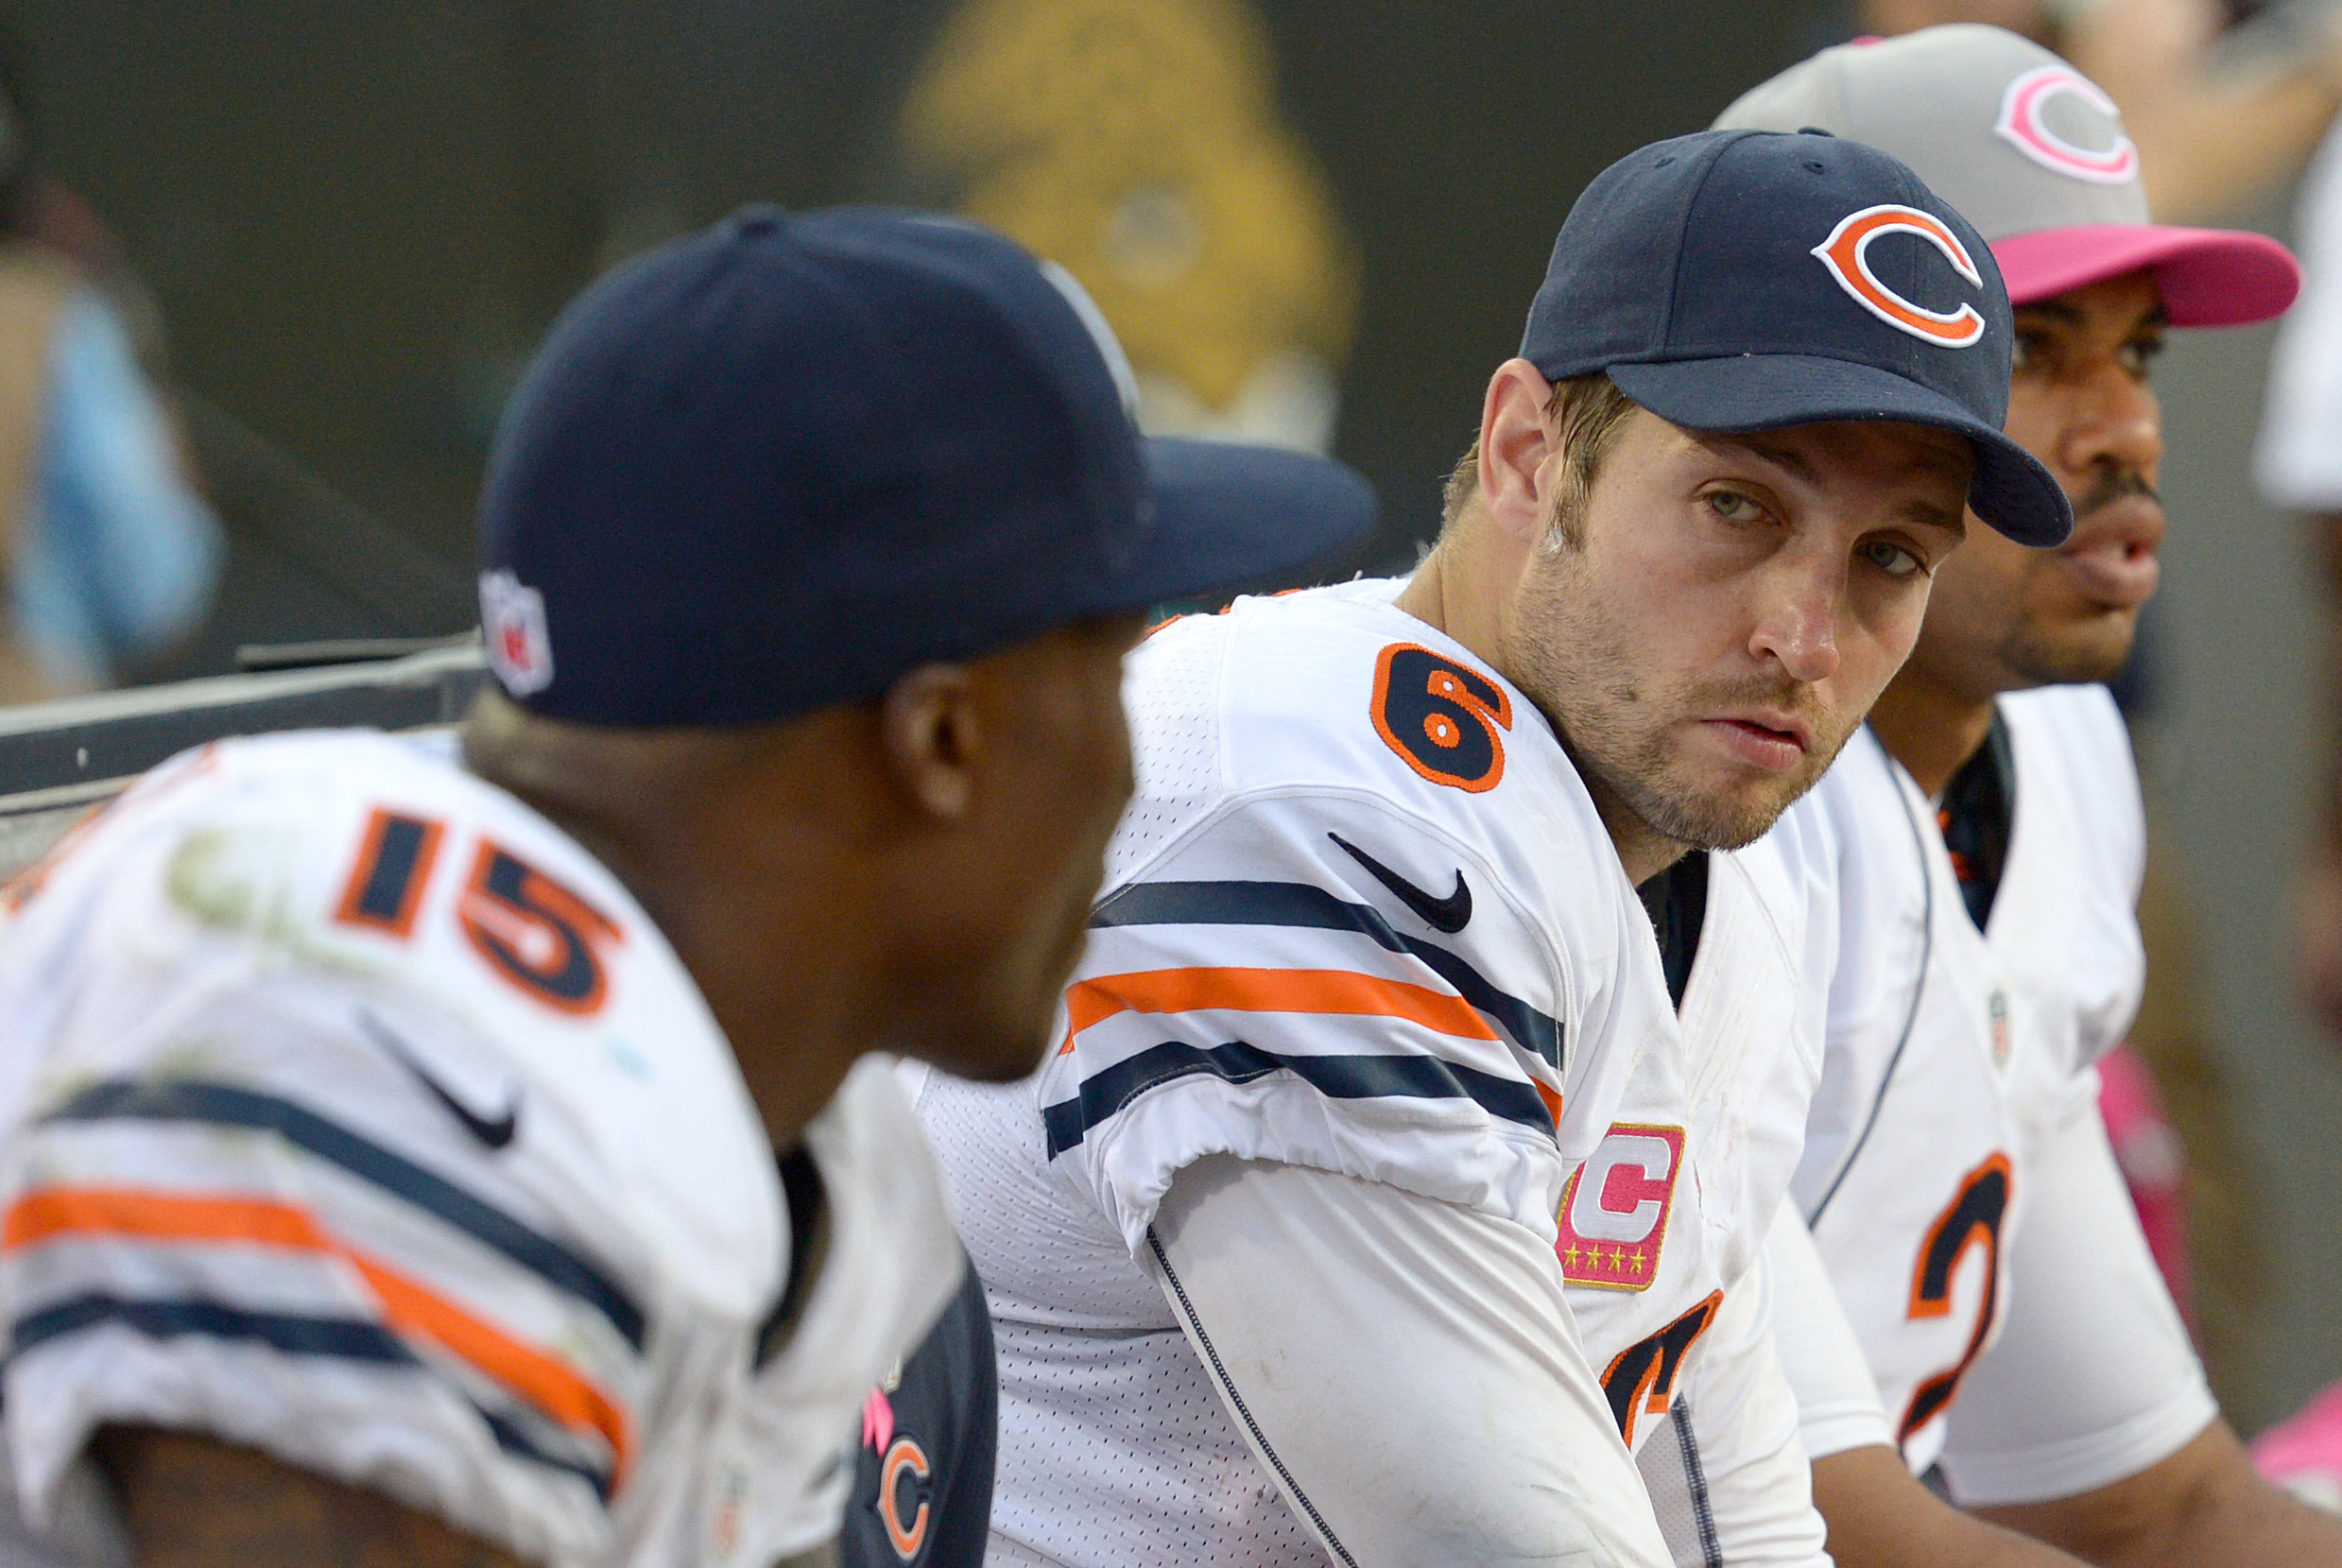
(1799, 622)
(2113, 422)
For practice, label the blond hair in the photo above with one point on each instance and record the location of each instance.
(1586, 411)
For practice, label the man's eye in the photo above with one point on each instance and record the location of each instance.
(1890, 558)
(2138, 355)
(2026, 348)
(1733, 506)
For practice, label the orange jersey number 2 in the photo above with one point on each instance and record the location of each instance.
(1971, 1219)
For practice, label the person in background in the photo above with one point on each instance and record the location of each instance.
(2224, 99)
(2007, 1321)
(112, 553)
(385, 1181)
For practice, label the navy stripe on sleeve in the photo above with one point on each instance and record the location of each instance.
(224, 1105)
(334, 1339)
(521, 1445)
(343, 1340)
(1341, 1077)
(1297, 903)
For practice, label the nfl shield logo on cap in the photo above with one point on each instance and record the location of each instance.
(512, 621)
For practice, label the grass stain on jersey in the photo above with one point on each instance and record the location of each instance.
(235, 880)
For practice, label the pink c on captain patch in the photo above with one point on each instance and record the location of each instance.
(1614, 1214)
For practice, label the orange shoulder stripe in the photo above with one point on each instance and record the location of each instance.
(1318, 990)
(550, 1385)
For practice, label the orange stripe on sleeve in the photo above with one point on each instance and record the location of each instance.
(549, 1383)
(1314, 990)
(161, 1216)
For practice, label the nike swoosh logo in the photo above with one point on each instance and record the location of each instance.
(1450, 914)
(494, 1132)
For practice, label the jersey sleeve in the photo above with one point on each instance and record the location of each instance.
(305, 1210)
(1837, 1400)
(2093, 1379)
(1409, 1372)
(298, 1261)
(1259, 990)
(2112, 805)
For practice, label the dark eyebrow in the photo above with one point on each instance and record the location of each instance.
(1927, 514)
(1777, 455)
(2158, 317)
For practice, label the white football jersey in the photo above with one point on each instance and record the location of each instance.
(1956, 1060)
(1660, 1228)
(1364, 918)
(350, 1110)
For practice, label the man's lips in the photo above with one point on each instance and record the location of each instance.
(1773, 741)
(2110, 559)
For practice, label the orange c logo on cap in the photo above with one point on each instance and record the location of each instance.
(1846, 254)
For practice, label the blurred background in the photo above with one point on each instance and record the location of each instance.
(332, 234)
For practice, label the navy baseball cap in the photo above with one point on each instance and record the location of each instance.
(773, 465)
(1735, 280)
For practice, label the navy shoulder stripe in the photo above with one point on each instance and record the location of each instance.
(1299, 904)
(334, 1339)
(343, 1340)
(1342, 1077)
(225, 1105)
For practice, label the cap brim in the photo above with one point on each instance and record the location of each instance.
(2011, 491)
(1228, 513)
(2208, 277)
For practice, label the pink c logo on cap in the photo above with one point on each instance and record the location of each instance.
(1846, 253)
(2023, 125)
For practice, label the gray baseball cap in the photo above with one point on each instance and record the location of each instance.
(2033, 154)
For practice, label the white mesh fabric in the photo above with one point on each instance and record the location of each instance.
(1669, 1460)
(1113, 1447)
(1175, 737)
(1043, 1258)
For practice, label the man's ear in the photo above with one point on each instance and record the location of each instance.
(928, 727)
(1515, 442)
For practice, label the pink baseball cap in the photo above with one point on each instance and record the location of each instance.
(2033, 154)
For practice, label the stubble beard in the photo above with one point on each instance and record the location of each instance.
(1567, 654)
(2040, 657)
(2051, 656)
